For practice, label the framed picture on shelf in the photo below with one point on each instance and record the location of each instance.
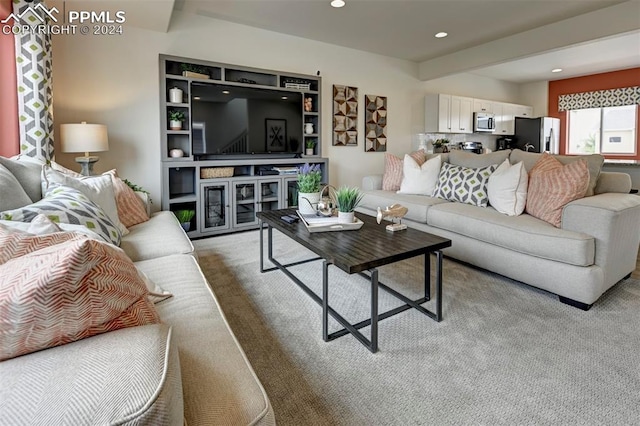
(276, 132)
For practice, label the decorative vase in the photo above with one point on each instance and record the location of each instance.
(175, 95)
(176, 153)
(346, 217)
(175, 125)
(186, 226)
(308, 128)
(309, 151)
(308, 202)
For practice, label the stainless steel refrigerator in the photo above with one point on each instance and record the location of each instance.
(540, 134)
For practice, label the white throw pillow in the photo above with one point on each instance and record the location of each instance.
(419, 180)
(98, 189)
(507, 188)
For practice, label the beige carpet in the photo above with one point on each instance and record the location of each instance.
(505, 353)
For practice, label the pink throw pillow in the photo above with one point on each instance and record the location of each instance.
(63, 287)
(392, 177)
(131, 209)
(552, 185)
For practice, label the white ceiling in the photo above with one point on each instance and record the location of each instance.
(512, 40)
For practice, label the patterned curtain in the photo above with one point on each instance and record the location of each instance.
(33, 64)
(600, 99)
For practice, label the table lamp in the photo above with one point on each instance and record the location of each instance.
(85, 138)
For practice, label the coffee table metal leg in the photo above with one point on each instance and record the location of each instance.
(374, 310)
(427, 276)
(325, 301)
(261, 246)
(439, 285)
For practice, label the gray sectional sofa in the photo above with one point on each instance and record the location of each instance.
(595, 247)
(190, 369)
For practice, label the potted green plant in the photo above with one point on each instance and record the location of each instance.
(184, 217)
(440, 144)
(176, 117)
(347, 199)
(309, 145)
(309, 177)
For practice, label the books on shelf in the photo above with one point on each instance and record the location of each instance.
(298, 86)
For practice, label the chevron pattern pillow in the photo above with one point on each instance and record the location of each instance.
(63, 287)
(63, 204)
(465, 185)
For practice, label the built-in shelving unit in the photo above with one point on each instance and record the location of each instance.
(230, 203)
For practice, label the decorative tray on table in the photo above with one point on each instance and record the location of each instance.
(316, 223)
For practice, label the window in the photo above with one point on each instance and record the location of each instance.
(607, 130)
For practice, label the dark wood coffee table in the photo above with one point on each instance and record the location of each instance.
(358, 251)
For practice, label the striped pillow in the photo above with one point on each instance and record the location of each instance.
(392, 177)
(552, 185)
(63, 287)
(131, 209)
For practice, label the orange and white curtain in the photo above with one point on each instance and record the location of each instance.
(26, 113)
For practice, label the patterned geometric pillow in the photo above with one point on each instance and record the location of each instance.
(462, 184)
(62, 204)
(392, 177)
(552, 185)
(63, 287)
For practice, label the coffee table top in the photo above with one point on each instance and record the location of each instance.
(355, 251)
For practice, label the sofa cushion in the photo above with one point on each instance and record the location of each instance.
(161, 235)
(463, 184)
(507, 188)
(27, 170)
(552, 186)
(63, 287)
(458, 157)
(393, 166)
(594, 163)
(129, 376)
(524, 234)
(219, 384)
(67, 205)
(417, 204)
(419, 179)
(12, 194)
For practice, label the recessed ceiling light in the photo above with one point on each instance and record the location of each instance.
(284, 98)
(556, 70)
(337, 3)
(225, 92)
(197, 98)
(441, 34)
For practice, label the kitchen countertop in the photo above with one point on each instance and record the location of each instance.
(622, 163)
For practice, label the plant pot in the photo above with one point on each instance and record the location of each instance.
(186, 226)
(175, 125)
(438, 150)
(308, 202)
(346, 217)
(176, 153)
(309, 151)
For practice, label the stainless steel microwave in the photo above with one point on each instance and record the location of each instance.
(483, 122)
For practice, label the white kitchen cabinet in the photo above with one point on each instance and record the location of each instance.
(505, 115)
(448, 114)
(482, 105)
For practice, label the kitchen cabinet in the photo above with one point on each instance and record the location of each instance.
(482, 105)
(448, 114)
(505, 115)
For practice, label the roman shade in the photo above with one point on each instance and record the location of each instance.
(600, 99)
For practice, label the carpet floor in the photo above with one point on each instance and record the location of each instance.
(505, 353)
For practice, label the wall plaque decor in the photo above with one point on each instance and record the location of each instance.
(375, 123)
(345, 115)
(276, 131)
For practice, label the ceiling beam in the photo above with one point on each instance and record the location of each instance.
(607, 22)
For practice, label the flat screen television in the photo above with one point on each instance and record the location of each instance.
(233, 122)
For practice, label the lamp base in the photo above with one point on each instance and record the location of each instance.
(86, 163)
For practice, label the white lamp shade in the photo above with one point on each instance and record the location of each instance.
(83, 137)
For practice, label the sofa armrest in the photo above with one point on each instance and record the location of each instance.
(613, 182)
(614, 221)
(372, 182)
